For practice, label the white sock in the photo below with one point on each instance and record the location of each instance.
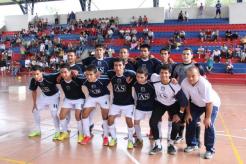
(80, 128)
(158, 143)
(86, 126)
(55, 120)
(112, 131)
(68, 118)
(138, 132)
(169, 130)
(105, 128)
(91, 117)
(36, 115)
(130, 133)
(64, 125)
(159, 128)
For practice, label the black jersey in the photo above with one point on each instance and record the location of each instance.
(98, 88)
(47, 85)
(77, 67)
(145, 95)
(152, 65)
(72, 89)
(122, 90)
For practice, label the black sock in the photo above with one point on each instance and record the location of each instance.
(198, 131)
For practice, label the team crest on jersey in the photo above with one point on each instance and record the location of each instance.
(93, 86)
(162, 88)
(99, 63)
(68, 88)
(119, 81)
(142, 89)
(144, 66)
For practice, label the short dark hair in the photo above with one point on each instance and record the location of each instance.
(166, 67)
(65, 65)
(100, 46)
(188, 49)
(71, 50)
(91, 68)
(37, 68)
(142, 70)
(119, 60)
(145, 46)
(165, 49)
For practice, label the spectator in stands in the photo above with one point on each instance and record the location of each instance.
(215, 35)
(238, 51)
(202, 35)
(224, 50)
(145, 20)
(2, 47)
(228, 34)
(186, 16)
(234, 36)
(218, 9)
(201, 8)
(182, 35)
(208, 34)
(229, 66)
(121, 33)
(134, 21)
(140, 21)
(210, 64)
(181, 16)
(200, 51)
(216, 55)
(15, 68)
(151, 35)
(243, 56)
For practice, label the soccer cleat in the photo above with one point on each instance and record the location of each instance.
(56, 136)
(155, 150)
(138, 142)
(189, 149)
(171, 150)
(208, 155)
(113, 142)
(105, 141)
(63, 135)
(80, 138)
(86, 140)
(34, 134)
(130, 144)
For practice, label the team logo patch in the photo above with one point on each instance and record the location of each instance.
(93, 86)
(68, 88)
(118, 81)
(142, 89)
(162, 88)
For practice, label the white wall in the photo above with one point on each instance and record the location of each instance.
(155, 15)
(16, 22)
(209, 12)
(237, 13)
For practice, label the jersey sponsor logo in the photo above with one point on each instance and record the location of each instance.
(163, 95)
(95, 91)
(101, 69)
(143, 96)
(119, 88)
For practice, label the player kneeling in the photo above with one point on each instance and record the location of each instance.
(144, 95)
(97, 94)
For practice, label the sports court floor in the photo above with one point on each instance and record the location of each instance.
(16, 121)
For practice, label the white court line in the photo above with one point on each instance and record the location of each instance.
(238, 137)
(134, 160)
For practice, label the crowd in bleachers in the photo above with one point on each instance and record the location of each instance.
(42, 43)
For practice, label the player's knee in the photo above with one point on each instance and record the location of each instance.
(110, 120)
